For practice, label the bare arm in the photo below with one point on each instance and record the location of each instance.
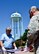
(14, 46)
(1, 43)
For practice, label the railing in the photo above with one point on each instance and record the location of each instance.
(11, 51)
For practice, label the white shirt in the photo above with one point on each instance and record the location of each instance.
(7, 40)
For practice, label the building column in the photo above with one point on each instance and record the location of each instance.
(12, 28)
(18, 29)
(22, 27)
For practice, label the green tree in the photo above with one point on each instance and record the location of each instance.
(24, 37)
(22, 40)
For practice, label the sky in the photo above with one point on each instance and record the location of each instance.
(7, 7)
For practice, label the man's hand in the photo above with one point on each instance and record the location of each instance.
(3, 49)
(15, 48)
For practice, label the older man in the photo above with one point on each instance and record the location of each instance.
(7, 41)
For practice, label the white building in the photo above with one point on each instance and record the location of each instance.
(17, 25)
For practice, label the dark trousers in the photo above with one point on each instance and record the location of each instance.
(36, 42)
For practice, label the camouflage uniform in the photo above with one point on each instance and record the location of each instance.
(33, 25)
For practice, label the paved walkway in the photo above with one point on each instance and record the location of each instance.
(21, 52)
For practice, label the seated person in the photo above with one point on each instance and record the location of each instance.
(7, 41)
